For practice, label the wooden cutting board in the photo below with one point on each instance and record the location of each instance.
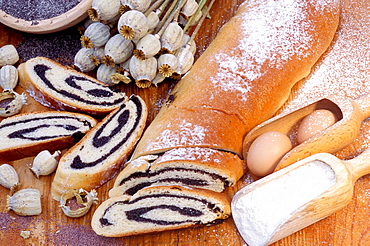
(344, 69)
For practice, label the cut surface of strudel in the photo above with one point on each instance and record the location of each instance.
(100, 154)
(27, 134)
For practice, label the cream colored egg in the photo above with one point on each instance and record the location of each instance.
(266, 151)
(315, 122)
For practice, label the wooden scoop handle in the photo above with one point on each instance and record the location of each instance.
(363, 102)
(360, 165)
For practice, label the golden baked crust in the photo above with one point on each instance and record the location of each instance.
(245, 75)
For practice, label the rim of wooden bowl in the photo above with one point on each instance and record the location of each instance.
(58, 23)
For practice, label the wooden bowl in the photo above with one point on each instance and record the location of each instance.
(58, 23)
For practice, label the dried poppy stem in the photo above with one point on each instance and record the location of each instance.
(168, 17)
(199, 24)
(154, 6)
(176, 13)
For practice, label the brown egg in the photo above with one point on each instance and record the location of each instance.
(266, 151)
(315, 122)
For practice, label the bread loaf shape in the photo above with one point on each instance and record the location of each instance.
(192, 167)
(25, 135)
(63, 88)
(244, 76)
(100, 154)
(159, 208)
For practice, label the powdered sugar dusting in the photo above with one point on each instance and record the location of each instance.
(229, 68)
(192, 154)
(344, 69)
(282, 35)
(186, 133)
(269, 37)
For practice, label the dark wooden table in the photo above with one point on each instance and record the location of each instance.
(345, 69)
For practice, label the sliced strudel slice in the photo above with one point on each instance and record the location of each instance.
(194, 167)
(63, 88)
(159, 208)
(27, 134)
(101, 153)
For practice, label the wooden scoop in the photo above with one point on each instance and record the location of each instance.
(295, 197)
(350, 114)
(58, 23)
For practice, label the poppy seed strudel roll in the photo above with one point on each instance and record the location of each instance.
(27, 134)
(160, 208)
(194, 167)
(100, 154)
(64, 88)
(244, 76)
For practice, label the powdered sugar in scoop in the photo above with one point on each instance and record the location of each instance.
(259, 212)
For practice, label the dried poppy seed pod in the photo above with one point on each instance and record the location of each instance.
(82, 28)
(113, 23)
(95, 35)
(8, 77)
(104, 10)
(189, 43)
(104, 72)
(8, 55)
(189, 8)
(139, 5)
(83, 61)
(125, 65)
(133, 24)
(195, 19)
(171, 38)
(153, 20)
(167, 64)
(117, 50)
(123, 77)
(148, 46)
(45, 163)
(25, 202)
(11, 103)
(9, 177)
(143, 71)
(77, 202)
(87, 23)
(99, 52)
(97, 55)
(159, 78)
(185, 39)
(186, 60)
(122, 73)
(192, 47)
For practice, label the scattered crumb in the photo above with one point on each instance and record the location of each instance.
(25, 234)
